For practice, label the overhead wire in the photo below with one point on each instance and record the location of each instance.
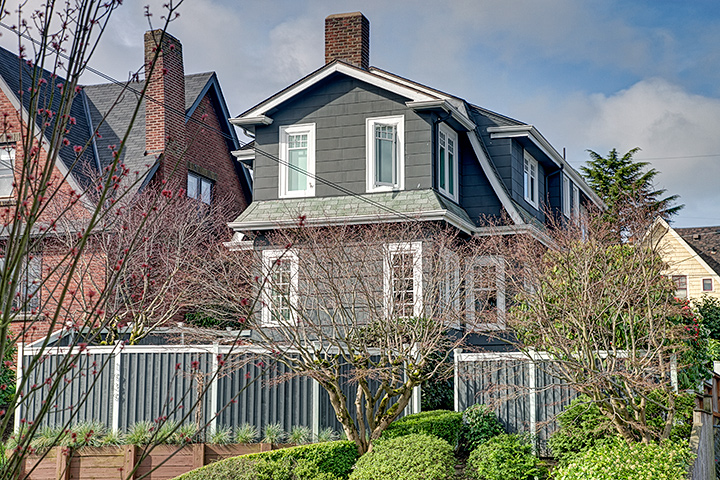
(318, 179)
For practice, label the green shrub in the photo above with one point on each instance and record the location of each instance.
(411, 457)
(247, 433)
(582, 426)
(324, 461)
(618, 460)
(682, 423)
(481, 424)
(505, 457)
(274, 433)
(439, 423)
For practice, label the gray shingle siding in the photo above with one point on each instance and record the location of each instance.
(477, 196)
(339, 109)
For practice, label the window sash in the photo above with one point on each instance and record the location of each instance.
(280, 291)
(403, 280)
(566, 196)
(485, 293)
(447, 158)
(297, 165)
(576, 202)
(681, 290)
(707, 284)
(27, 296)
(7, 170)
(530, 179)
(385, 154)
(199, 188)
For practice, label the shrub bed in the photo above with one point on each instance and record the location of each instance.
(669, 461)
(443, 424)
(505, 457)
(410, 457)
(480, 425)
(322, 461)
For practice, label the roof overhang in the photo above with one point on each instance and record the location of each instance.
(660, 228)
(531, 133)
(251, 121)
(443, 105)
(246, 156)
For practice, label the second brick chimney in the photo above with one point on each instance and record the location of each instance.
(165, 104)
(347, 38)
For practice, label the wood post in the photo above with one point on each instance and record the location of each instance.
(265, 447)
(130, 460)
(62, 463)
(198, 455)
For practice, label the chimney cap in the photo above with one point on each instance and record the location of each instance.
(349, 14)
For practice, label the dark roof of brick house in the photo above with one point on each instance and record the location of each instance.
(705, 241)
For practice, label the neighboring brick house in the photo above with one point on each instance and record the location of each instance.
(692, 256)
(352, 144)
(181, 139)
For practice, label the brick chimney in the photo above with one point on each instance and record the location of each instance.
(347, 38)
(165, 104)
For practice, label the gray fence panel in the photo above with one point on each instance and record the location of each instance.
(552, 398)
(90, 380)
(259, 394)
(153, 386)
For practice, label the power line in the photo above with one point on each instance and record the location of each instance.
(684, 156)
(318, 179)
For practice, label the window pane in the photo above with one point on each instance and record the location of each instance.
(192, 186)
(205, 190)
(7, 161)
(451, 172)
(707, 285)
(297, 157)
(403, 284)
(442, 167)
(280, 290)
(680, 285)
(384, 154)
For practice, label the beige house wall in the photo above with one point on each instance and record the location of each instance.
(683, 260)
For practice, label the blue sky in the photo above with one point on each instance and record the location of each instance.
(588, 74)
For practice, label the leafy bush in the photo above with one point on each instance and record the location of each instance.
(439, 423)
(322, 461)
(481, 424)
(274, 433)
(299, 435)
(683, 421)
(410, 457)
(709, 310)
(505, 457)
(582, 426)
(247, 433)
(618, 460)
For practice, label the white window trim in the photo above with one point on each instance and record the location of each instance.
(399, 122)
(576, 202)
(500, 290)
(9, 148)
(529, 162)
(566, 196)
(406, 247)
(450, 291)
(712, 286)
(285, 131)
(450, 134)
(269, 258)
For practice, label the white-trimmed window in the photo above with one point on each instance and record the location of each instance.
(385, 151)
(199, 188)
(7, 170)
(449, 289)
(707, 285)
(403, 279)
(530, 179)
(447, 162)
(566, 196)
(27, 295)
(576, 201)
(485, 293)
(280, 290)
(297, 161)
(680, 281)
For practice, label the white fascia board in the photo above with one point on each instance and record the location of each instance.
(434, 215)
(335, 67)
(445, 106)
(44, 143)
(492, 177)
(530, 132)
(246, 121)
(244, 156)
(526, 229)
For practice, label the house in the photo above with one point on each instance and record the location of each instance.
(691, 254)
(354, 144)
(181, 139)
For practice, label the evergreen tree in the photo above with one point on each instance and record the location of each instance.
(626, 185)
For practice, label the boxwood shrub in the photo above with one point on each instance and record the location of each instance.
(480, 425)
(443, 424)
(504, 457)
(322, 461)
(618, 459)
(410, 457)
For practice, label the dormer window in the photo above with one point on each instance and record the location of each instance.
(447, 162)
(530, 180)
(297, 161)
(385, 153)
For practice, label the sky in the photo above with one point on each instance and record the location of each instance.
(593, 74)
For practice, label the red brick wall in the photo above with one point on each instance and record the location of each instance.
(347, 38)
(208, 149)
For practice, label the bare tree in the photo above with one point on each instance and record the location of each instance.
(376, 306)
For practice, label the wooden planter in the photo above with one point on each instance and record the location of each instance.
(169, 461)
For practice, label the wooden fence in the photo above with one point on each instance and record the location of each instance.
(160, 463)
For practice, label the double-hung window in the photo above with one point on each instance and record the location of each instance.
(297, 161)
(530, 179)
(566, 196)
(385, 153)
(280, 288)
(707, 284)
(7, 170)
(403, 279)
(485, 293)
(199, 188)
(447, 162)
(681, 289)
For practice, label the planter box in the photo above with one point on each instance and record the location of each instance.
(168, 461)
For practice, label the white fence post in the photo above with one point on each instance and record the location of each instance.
(456, 380)
(214, 388)
(117, 364)
(18, 381)
(315, 426)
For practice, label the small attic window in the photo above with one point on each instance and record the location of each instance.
(707, 284)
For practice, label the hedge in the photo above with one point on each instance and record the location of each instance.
(326, 461)
(410, 457)
(444, 424)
